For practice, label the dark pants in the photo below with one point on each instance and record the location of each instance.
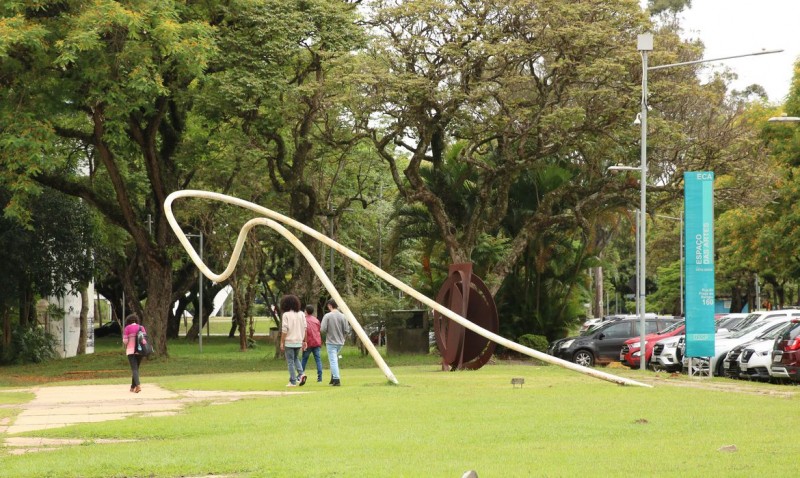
(134, 360)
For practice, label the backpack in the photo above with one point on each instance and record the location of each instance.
(143, 345)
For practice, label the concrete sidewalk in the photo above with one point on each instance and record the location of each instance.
(62, 406)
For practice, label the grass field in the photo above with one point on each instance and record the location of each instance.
(433, 424)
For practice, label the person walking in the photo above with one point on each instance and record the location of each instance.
(313, 341)
(335, 327)
(129, 339)
(293, 338)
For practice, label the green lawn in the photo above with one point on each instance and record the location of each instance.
(222, 326)
(433, 424)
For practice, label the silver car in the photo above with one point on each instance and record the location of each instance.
(666, 355)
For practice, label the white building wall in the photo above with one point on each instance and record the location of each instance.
(67, 332)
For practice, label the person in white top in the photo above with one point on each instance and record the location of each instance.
(293, 338)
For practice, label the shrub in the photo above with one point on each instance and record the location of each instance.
(30, 345)
(536, 342)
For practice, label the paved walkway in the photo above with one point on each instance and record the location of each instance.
(56, 407)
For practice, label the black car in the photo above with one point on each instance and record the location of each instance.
(602, 345)
(108, 329)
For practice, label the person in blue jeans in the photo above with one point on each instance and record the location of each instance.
(313, 341)
(293, 338)
(335, 327)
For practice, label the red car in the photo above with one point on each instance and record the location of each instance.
(786, 353)
(629, 354)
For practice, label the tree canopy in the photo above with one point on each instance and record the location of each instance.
(489, 126)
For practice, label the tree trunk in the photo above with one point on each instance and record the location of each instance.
(84, 318)
(736, 300)
(597, 303)
(6, 328)
(247, 316)
(159, 301)
(348, 276)
(98, 317)
(27, 310)
(240, 310)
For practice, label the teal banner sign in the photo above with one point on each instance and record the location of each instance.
(699, 233)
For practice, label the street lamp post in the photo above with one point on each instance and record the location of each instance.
(645, 45)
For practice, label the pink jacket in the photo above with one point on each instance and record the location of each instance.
(129, 338)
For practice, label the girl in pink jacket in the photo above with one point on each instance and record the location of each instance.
(129, 339)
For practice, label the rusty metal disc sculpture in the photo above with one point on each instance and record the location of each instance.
(465, 294)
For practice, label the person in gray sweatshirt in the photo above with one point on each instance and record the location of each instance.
(336, 328)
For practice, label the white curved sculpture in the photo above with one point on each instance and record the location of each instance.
(274, 216)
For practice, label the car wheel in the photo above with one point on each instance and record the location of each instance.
(721, 367)
(583, 357)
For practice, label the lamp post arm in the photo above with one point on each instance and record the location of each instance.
(707, 60)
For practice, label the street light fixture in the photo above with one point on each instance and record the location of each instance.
(645, 45)
(784, 119)
(620, 167)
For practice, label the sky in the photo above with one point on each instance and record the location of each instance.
(735, 27)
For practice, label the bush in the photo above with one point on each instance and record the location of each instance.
(30, 345)
(536, 342)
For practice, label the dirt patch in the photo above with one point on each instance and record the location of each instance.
(707, 384)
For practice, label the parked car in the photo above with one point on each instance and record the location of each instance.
(786, 353)
(752, 359)
(723, 345)
(630, 353)
(376, 333)
(758, 316)
(755, 361)
(730, 322)
(108, 329)
(590, 324)
(602, 345)
(667, 355)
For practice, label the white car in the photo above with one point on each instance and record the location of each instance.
(752, 360)
(723, 345)
(728, 322)
(757, 316)
(666, 355)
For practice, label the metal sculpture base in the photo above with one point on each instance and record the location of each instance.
(465, 294)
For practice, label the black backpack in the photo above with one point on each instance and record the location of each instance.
(143, 345)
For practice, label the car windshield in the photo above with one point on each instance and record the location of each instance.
(744, 323)
(750, 328)
(775, 332)
(590, 330)
(731, 322)
(593, 328)
(672, 327)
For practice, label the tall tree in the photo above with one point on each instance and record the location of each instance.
(105, 86)
(51, 256)
(526, 86)
(278, 83)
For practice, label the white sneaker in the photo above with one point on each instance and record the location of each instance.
(290, 384)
